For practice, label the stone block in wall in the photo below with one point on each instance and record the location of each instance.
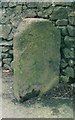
(69, 52)
(4, 4)
(59, 13)
(41, 5)
(29, 13)
(45, 13)
(71, 30)
(4, 55)
(12, 4)
(7, 61)
(24, 7)
(69, 41)
(1, 32)
(63, 4)
(63, 63)
(71, 62)
(32, 5)
(36, 56)
(0, 15)
(7, 67)
(62, 22)
(64, 31)
(18, 9)
(5, 49)
(5, 31)
(15, 21)
(3, 43)
(10, 37)
(0, 52)
(71, 17)
(69, 71)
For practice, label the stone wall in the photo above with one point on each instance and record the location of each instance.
(61, 14)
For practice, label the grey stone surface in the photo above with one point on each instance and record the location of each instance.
(68, 53)
(5, 49)
(4, 4)
(63, 63)
(7, 61)
(18, 9)
(64, 31)
(62, 22)
(71, 63)
(36, 56)
(45, 13)
(32, 5)
(4, 55)
(71, 30)
(72, 18)
(69, 71)
(6, 30)
(59, 13)
(0, 15)
(12, 4)
(7, 67)
(29, 13)
(10, 43)
(10, 37)
(69, 41)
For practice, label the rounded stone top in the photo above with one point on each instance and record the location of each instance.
(25, 24)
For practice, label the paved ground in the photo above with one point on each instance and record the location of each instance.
(46, 108)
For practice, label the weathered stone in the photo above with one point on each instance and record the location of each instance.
(63, 63)
(0, 53)
(6, 67)
(7, 61)
(32, 5)
(0, 31)
(18, 9)
(41, 5)
(64, 31)
(10, 37)
(69, 71)
(4, 55)
(68, 53)
(0, 5)
(15, 21)
(0, 15)
(45, 13)
(59, 13)
(71, 30)
(72, 18)
(63, 3)
(62, 22)
(5, 49)
(36, 56)
(6, 30)
(11, 52)
(71, 63)
(4, 4)
(69, 41)
(0, 64)
(64, 78)
(29, 13)
(24, 7)
(12, 4)
(10, 43)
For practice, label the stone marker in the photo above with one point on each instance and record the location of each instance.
(36, 56)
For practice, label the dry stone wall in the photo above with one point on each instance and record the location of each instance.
(62, 16)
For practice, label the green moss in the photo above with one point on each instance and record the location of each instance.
(37, 57)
